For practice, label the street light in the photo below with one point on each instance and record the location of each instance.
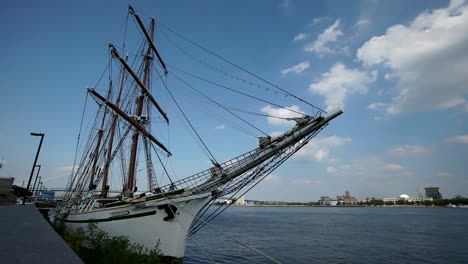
(34, 164)
(38, 186)
(34, 185)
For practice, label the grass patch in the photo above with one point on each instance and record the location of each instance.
(96, 246)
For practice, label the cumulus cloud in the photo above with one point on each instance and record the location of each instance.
(219, 127)
(318, 149)
(340, 81)
(66, 168)
(282, 113)
(322, 45)
(428, 59)
(409, 151)
(374, 167)
(462, 139)
(300, 36)
(362, 22)
(444, 174)
(305, 182)
(298, 68)
(275, 134)
(319, 20)
(331, 169)
(377, 106)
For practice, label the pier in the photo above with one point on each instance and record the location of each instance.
(26, 237)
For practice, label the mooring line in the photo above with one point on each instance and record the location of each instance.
(233, 238)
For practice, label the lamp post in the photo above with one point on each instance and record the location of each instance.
(40, 188)
(34, 185)
(34, 164)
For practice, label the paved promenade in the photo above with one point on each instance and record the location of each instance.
(26, 237)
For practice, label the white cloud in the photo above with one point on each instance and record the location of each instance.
(331, 169)
(444, 174)
(377, 106)
(276, 134)
(428, 58)
(285, 4)
(305, 182)
(282, 113)
(374, 167)
(319, 20)
(66, 168)
(362, 22)
(300, 36)
(318, 149)
(409, 151)
(463, 139)
(219, 127)
(340, 81)
(298, 68)
(322, 45)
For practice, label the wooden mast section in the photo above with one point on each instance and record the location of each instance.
(104, 187)
(138, 81)
(148, 37)
(128, 119)
(92, 186)
(130, 188)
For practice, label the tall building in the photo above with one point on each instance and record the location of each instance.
(433, 192)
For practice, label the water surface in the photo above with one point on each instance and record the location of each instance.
(335, 235)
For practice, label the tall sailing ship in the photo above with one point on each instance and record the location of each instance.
(124, 146)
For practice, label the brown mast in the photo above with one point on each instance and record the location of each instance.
(92, 186)
(104, 187)
(139, 110)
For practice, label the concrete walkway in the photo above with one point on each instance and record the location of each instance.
(26, 237)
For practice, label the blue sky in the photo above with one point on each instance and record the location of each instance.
(397, 68)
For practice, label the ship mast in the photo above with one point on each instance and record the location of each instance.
(92, 186)
(130, 187)
(105, 187)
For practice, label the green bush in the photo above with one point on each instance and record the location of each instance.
(96, 246)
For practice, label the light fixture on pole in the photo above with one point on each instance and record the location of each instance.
(34, 164)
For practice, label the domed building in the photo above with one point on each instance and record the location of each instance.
(404, 197)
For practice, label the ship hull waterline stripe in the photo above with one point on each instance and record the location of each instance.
(108, 219)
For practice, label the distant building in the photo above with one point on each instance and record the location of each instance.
(433, 192)
(346, 198)
(326, 200)
(239, 201)
(406, 198)
(5, 190)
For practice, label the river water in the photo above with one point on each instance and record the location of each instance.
(335, 235)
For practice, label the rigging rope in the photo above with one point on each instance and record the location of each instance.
(213, 159)
(240, 118)
(160, 161)
(234, 90)
(231, 237)
(239, 67)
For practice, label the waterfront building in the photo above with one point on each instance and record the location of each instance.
(5, 190)
(406, 198)
(346, 198)
(326, 200)
(239, 201)
(433, 192)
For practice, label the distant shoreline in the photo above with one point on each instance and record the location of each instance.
(346, 206)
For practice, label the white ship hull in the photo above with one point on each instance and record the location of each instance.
(146, 223)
